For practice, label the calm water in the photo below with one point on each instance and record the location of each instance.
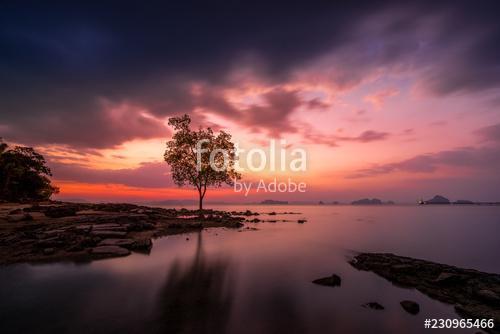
(224, 281)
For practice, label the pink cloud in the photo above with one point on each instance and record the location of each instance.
(378, 99)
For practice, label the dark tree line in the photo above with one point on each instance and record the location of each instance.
(24, 175)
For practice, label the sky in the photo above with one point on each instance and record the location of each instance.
(393, 100)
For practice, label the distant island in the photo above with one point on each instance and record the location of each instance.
(373, 201)
(441, 200)
(438, 199)
(273, 202)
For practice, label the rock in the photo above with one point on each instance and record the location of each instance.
(88, 242)
(333, 280)
(48, 251)
(18, 217)
(142, 244)
(37, 215)
(108, 234)
(110, 250)
(49, 242)
(449, 278)
(301, 221)
(83, 228)
(126, 243)
(235, 224)
(488, 295)
(109, 227)
(245, 213)
(410, 306)
(473, 293)
(373, 306)
(60, 211)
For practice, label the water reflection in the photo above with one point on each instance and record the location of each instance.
(262, 282)
(197, 297)
(278, 312)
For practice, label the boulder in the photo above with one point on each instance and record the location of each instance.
(373, 306)
(143, 245)
(333, 280)
(410, 306)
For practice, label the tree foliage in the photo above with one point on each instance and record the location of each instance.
(213, 165)
(23, 174)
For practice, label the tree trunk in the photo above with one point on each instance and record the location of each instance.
(200, 207)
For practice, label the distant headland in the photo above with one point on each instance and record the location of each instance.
(441, 200)
(373, 201)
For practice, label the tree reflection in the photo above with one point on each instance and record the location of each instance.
(195, 298)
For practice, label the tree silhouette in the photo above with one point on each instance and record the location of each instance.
(200, 158)
(23, 174)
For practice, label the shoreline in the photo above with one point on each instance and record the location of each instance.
(473, 294)
(81, 232)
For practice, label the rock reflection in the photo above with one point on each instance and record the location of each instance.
(197, 297)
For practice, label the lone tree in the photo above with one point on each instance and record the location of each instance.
(23, 174)
(200, 158)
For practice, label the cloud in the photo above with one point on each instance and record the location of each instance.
(270, 114)
(378, 98)
(489, 133)
(57, 68)
(104, 125)
(366, 136)
(482, 158)
(146, 175)
(311, 136)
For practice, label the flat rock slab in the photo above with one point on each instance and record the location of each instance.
(117, 242)
(93, 212)
(19, 217)
(474, 294)
(110, 250)
(108, 234)
(58, 231)
(109, 227)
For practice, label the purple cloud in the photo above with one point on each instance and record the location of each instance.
(483, 158)
(146, 175)
(489, 133)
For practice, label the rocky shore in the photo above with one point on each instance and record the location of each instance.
(57, 231)
(474, 294)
